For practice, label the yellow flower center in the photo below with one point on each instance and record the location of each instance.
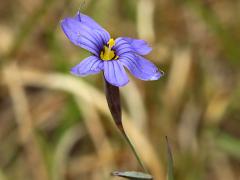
(107, 53)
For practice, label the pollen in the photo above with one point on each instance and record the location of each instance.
(107, 53)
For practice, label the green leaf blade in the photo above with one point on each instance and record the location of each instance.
(133, 175)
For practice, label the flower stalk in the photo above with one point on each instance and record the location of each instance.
(114, 104)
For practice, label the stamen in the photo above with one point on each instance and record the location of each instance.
(111, 43)
(108, 53)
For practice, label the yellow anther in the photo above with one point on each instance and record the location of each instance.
(107, 53)
(111, 43)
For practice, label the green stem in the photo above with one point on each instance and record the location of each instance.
(133, 149)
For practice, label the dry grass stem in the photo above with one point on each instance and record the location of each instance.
(178, 76)
(61, 155)
(145, 20)
(96, 131)
(187, 128)
(135, 105)
(13, 79)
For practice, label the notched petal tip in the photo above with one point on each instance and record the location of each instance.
(162, 73)
(118, 84)
(78, 16)
(65, 23)
(62, 22)
(74, 71)
(121, 85)
(157, 75)
(148, 49)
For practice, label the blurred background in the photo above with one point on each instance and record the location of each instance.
(54, 126)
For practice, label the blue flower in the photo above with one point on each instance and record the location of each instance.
(107, 54)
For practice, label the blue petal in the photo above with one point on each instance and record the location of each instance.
(122, 47)
(87, 21)
(140, 67)
(115, 73)
(139, 46)
(90, 65)
(83, 36)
